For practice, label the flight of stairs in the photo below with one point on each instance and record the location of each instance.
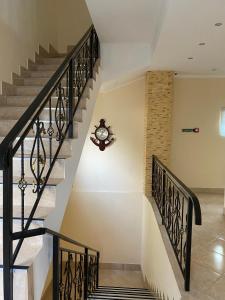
(122, 293)
(17, 97)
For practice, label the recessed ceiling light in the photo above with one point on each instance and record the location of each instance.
(218, 24)
(190, 57)
(201, 44)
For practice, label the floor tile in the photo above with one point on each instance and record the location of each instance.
(218, 246)
(121, 278)
(202, 278)
(208, 251)
(217, 290)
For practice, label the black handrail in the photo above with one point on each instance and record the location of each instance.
(176, 203)
(85, 274)
(186, 190)
(42, 231)
(61, 98)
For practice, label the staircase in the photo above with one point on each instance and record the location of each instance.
(44, 119)
(119, 293)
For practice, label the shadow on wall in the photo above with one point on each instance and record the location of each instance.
(73, 21)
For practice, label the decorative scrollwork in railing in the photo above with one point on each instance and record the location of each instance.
(61, 119)
(75, 274)
(38, 156)
(92, 273)
(175, 203)
(38, 136)
(79, 276)
(72, 274)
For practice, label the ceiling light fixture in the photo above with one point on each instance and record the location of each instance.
(218, 24)
(190, 57)
(201, 44)
(214, 69)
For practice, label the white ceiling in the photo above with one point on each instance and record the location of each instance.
(186, 24)
(128, 31)
(126, 21)
(160, 35)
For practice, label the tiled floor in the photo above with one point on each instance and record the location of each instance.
(208, 254)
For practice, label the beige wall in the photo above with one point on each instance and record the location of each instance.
(120, 167)
(198, 159)
(24, 25)
(72, 22)
(156, 265)
(105, 209)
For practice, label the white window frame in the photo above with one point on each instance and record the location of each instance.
(222, 122)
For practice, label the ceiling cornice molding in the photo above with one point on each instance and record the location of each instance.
(203, 76)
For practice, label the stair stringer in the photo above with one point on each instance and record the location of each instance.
(54, 220)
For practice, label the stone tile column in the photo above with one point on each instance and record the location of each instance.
(158, 120)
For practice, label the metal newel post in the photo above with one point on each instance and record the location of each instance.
(97, 275)
(71, 98)
(55, 291)
(163, 196)
(188, 247)
(91, 53)
(153, 169)
(99, 46)
(86, 274)
(8, 228)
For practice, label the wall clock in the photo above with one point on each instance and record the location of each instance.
(102, 136)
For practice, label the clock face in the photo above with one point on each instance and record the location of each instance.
(102, 133)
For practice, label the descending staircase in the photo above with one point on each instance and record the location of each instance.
(122, 293)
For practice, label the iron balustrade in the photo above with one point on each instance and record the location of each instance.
(75, 271)
(36, 140)
(176, 203)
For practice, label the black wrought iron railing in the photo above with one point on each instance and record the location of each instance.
(75, 272)
(176, 203)
(30, 150)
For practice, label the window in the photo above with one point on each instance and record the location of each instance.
(222, 122)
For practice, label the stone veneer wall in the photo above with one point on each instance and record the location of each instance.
(158, 122)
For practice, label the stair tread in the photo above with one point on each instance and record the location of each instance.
(37, 64)
(45, 139)
(122, 293)
(16, 119)
(28, 86)
(125, 294)
(5, 107)
(121, 287)
(126, 298)
(35, 74)
(121, 297)
(29, 180)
